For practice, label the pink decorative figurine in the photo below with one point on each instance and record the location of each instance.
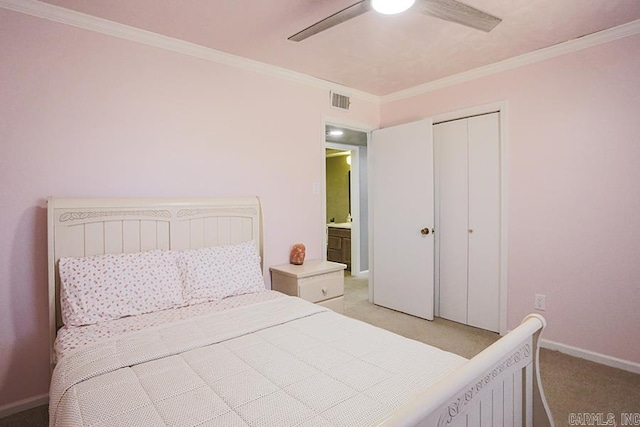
(297, 254)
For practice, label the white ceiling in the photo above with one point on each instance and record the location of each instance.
(373, 53)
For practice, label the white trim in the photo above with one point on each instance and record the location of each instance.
(626, 30)
(88, 22)
(468, 112)
(500, 107)
(362, 275)
(592, 356)
(504, 214)
(24, 405)
(344, 123)
(371, 214)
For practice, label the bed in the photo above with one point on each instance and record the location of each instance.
(238, 355)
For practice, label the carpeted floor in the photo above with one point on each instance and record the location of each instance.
(36, 417)
(572, 385)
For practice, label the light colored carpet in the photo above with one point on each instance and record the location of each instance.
(445, 334)
(571, 385)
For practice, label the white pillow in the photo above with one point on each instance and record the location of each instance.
(107, 287)
(221, 271)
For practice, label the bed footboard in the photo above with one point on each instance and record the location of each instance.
(499, 387)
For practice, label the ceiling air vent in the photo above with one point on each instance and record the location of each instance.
(340, 101)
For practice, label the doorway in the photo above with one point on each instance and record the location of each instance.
(346, 198)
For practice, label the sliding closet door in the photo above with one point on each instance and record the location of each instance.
(484, 220)
(452, 212)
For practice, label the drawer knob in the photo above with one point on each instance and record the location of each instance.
(324, 291)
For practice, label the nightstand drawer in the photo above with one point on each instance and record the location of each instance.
(321, 287)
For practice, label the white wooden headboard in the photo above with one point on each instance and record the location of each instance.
(84, 227)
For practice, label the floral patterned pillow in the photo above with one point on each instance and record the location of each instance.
(221, 271)
(107, 287)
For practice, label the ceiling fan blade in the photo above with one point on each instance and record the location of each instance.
(345, 14)
(454, 11)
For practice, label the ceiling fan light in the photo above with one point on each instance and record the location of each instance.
(391, 7)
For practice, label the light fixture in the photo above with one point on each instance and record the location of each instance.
(391, 7)
(336, 132)
(349, 160)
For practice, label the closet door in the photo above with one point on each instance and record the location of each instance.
(452, 213)
(467, 192)
(484, 220)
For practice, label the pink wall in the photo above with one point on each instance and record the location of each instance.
(89, 115)
(574, 199)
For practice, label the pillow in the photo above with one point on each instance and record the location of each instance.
(221, 271)
(107, 287)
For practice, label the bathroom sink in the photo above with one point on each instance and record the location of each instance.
(339, 224)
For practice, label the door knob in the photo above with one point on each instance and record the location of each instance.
(471, 230)
(424, 231)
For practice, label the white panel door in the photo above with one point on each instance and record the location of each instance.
(401, 191)
(484, 220)
(452, 217)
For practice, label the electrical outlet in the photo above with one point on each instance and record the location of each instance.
(539, 302)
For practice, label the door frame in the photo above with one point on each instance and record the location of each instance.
(355, 202)
(501, 107)
(355, 177)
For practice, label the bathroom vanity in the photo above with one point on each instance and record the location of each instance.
(339, 243)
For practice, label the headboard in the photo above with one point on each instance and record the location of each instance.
(84, 227)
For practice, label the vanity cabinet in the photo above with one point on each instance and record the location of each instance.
(339, 245)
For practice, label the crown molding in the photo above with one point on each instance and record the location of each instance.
(626, 30)
(88, 22)
(99, 25)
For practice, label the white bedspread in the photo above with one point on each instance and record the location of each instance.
(282, 362)
(70, 339)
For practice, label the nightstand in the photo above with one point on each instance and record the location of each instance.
(316, 281)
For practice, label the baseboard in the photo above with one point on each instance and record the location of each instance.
(362, 275)
(23, 405)
(592, 356)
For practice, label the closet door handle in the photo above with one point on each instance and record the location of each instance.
(470, 230)
(424, 231)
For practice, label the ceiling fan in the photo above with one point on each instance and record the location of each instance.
(449, 10)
